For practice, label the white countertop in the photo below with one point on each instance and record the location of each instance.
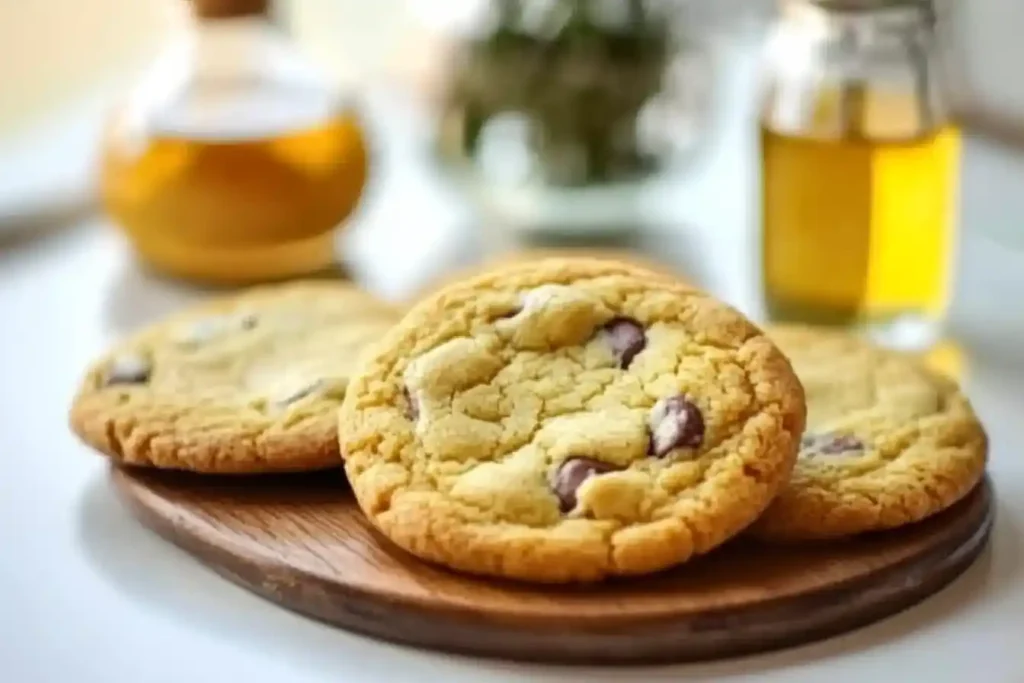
(88, 595)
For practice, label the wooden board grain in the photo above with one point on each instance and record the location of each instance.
(300, 541)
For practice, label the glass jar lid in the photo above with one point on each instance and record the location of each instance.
(862, 5)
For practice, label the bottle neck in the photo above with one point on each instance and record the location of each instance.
(891, 16)
(237, 77)
(229, 47)
(838, 67)
(886, 36)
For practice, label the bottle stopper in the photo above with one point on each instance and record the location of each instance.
(230, 9)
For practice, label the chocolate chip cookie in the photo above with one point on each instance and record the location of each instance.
(888, 443)
(246, 383)
(569, 420)
(519, 256)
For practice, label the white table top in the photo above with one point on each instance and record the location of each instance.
(86, 594)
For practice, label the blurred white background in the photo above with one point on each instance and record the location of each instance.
(55, 52)
(61, 61)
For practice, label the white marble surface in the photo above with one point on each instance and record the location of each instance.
(87, 595)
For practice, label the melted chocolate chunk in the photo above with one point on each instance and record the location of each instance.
(627, 339)
(412, 406)
(508, 314)
(675, 422)
(570, 476)
(830, 444)
(129, 369)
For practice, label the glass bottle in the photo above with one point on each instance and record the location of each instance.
(556, 118)
(860, 165)
(234, 161)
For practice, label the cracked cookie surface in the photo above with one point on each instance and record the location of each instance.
(243, 383)
(569, 420)
(888, 442)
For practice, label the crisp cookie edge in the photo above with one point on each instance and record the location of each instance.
(821, 513)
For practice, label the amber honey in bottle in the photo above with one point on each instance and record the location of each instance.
(859, 170)
(234, 162)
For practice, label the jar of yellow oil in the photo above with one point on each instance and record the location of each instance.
(234, 161)
(860, 164)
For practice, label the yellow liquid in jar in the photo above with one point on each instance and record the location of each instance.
(230, 206)
(859, 229)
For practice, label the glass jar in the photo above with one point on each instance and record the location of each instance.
(554, 116)
(860, 165)
(234, 161)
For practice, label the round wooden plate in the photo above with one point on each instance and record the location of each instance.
(302, 542)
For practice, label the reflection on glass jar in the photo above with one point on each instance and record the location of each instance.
(555, 113)
(860, 169)
(233, 162)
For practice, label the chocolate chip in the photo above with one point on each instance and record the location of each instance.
(129, 369)
(830, 444)
(570, 476)
(675, 422)
(248, 321)
(412, 406)
(627, 339)
(843, 443)
(300, 394)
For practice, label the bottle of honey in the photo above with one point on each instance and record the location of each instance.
(234, 161)
(860, 164)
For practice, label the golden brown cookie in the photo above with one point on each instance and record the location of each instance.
(888, 443)
(521, 256)
(569, 420)
(245, 383)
